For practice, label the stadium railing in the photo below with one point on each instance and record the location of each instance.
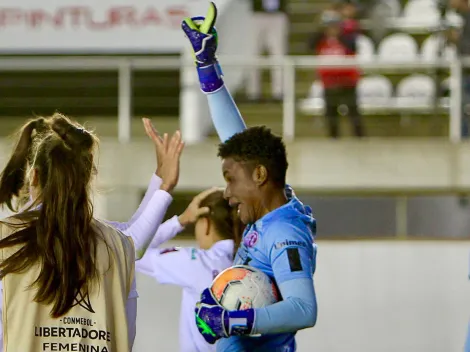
(125, 65)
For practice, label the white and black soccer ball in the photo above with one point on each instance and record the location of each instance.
(242, 287)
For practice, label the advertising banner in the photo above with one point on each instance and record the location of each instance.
(96, 26)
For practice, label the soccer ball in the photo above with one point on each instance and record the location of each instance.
(242, 287)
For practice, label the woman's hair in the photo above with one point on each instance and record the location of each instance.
(57, 234)
(224, 217)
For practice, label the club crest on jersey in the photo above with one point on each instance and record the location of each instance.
(251, 239)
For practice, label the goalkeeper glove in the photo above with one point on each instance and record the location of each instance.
(202, 36)
(215, 322)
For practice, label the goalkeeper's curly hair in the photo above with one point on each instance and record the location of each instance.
(258, 146)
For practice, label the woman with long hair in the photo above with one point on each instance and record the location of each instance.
(218, 232)
(66, 277)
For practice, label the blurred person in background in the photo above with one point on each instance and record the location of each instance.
(340, 84)
(462, 39)
(271, 31)
(349, 11)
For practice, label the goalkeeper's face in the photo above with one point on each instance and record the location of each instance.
(242, 191)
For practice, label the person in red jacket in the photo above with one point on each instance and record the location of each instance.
(340, 84)
(350, 23)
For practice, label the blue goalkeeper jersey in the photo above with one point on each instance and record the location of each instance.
(281, 244)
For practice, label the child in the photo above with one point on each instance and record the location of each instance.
(218, 233)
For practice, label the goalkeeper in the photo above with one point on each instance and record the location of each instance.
(279, 227)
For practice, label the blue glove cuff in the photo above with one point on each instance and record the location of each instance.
(239, 322)
(210, 77)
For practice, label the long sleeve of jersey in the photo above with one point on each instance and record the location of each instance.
(154, 185)
(148, 218)
(293, 260)
(146, 226)
(225, 114)
(166, 232)
(299, 301)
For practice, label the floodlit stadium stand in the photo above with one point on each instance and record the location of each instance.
(384, 95)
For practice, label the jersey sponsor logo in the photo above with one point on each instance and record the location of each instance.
(169, 250)
(293, 256)
(288, 243)
(251, 239)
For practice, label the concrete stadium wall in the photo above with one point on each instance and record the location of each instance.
(315, 166)
(380, 296)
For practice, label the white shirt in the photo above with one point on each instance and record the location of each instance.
(190, 268)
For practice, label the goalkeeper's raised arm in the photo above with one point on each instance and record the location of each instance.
(290, 266)
(203, 38)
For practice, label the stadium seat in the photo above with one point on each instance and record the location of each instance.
(398, 47)
(314, 104)
(365, 48)
(445, 91)
(395, 7)
(432, 45)
(453, 18)
(386, 9)
(375, 92)
(416, 91)
(445, 85)
(316, 90)
(420, 13)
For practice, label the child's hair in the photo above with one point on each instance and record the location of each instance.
(224, 217)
